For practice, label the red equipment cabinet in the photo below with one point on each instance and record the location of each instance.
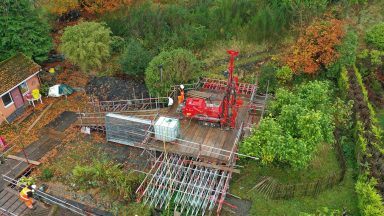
(199, 109)
(226, 111)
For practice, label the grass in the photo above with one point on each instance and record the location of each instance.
(339, 197)
(324, 163)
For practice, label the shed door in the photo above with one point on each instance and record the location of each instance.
(17, 97)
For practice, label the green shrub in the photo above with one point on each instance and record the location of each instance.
(46, 174)
(179, 66)
(86, 44)
(109, 177)
(135, 59)
(298, 122)
(347, 55)
(117, 44)
(284, 75)
(375, 36)
(343, 82)
(369, 200)
(267, 77)
(44, 89)
(27, 181)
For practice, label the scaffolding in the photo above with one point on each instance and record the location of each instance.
(181, 182)
(189, 184)
(47, 198)
(194, 179)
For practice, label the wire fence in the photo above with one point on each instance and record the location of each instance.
(270, 188)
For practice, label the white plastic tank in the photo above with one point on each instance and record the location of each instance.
(167, 129)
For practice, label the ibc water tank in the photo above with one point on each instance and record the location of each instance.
(167, 129)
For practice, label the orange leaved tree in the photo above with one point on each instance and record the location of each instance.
(101, 6)
(316, 48)
(59, 6)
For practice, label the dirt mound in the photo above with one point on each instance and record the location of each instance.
(112, 88)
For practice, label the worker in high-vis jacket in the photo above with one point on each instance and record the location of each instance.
(180, 98)
(26, 195)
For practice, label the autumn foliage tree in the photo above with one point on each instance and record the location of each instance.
(316, 48)
(59, 6)
(101, 6)
(91, 6)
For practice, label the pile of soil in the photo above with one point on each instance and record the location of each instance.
(112, 88)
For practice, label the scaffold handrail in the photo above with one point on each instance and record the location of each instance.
(51, 199)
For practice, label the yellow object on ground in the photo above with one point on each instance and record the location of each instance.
(52, 70)
(35, 94)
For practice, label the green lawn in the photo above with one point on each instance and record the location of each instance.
(324, 163)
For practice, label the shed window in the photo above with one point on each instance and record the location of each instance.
(7, 99)
(23, 87)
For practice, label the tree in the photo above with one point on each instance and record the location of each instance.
(59, 6)
(299, 121)
(101, 6)
(135, 59)
(316, 48)
(21, 30)
(86, 44)
(179, 66)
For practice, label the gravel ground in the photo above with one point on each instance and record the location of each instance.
(112, 88)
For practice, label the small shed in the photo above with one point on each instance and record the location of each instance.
(18, 77)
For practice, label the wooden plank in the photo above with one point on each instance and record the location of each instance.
(5, 199)
(224, 168)
(2, 194)
(38, 118)
(208, 142)
(220, 144)
(188, 130)
(23, 159)
(11, 201)
(21, 209)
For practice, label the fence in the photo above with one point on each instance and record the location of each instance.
(270, 188)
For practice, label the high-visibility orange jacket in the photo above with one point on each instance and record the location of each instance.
(24, 194)
(181, 97)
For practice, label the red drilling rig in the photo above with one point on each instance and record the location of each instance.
(224, 113)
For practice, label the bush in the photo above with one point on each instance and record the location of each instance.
(86, 44)
(347, 55)
(298, 122)
(44, 89)
(268, 77)
(135, 59)
(316, 49)
(117, 44)
(46, 174)
(109, 177)
(179, 66)
(375, 36)
(284, 75)
(369, 201)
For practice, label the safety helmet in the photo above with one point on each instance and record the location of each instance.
(182, 86)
